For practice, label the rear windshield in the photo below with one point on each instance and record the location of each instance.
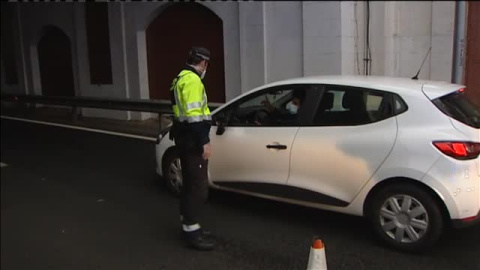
(459, 107)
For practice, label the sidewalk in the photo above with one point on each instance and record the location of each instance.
(63, 115)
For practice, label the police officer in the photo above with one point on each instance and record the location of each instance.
(190, 130)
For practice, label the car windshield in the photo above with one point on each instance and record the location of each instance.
(458, 106)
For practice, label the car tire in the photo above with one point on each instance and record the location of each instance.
(172, 172)
(406, 217)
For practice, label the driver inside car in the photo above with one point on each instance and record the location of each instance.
(289, 112)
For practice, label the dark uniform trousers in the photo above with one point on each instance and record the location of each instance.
(195, 178)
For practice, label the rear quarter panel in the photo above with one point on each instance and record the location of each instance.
(413, 154)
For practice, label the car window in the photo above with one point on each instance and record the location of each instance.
(373, 102)
(458, 106)
(278, 106)
(274, 98)
(400, 105)
(337, 101)
(342, 106)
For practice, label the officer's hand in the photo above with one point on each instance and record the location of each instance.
(207, 151)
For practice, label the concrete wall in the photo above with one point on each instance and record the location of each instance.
(412, 28)
(284, 42)
(443, 26)
(263, 42)
(252, 44)
(352, 38)
(401, 34)
(322, 38)
(281, 40)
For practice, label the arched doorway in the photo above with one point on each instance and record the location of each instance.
(55, 61)
(169, 38)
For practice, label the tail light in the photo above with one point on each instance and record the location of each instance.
(459, 150)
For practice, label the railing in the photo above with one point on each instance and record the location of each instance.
(139, 105)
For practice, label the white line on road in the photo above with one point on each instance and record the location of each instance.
(82, 128)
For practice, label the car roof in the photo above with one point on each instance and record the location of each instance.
(433, 89)
(398, 85)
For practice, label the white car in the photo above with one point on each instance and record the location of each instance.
(404, 153)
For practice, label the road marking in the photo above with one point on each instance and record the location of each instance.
(3, 165)
(82, 128)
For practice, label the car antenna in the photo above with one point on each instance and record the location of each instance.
(416, 75)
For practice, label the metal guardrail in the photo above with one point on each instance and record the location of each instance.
(139, 105)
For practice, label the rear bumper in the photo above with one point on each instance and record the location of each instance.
(466, 222)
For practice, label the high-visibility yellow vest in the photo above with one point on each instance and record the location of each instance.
(190, 100)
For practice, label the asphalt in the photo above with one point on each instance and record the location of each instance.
(77, 200)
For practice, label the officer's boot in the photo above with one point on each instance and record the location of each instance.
(199, 240)
(202, 230)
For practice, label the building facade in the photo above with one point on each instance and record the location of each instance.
(134, 49)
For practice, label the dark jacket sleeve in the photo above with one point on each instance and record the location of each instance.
(201, 132)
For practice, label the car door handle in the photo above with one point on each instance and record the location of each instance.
(277, 146)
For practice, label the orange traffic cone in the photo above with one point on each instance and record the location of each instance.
(317, 259)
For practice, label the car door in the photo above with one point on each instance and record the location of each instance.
(351, 135)
(253, 153)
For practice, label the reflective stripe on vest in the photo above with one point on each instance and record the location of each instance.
(194, 105)
(204, 103)
(194, 119)
(177, 108)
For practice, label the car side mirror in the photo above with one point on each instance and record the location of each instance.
(220, 129)
(221, 123)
